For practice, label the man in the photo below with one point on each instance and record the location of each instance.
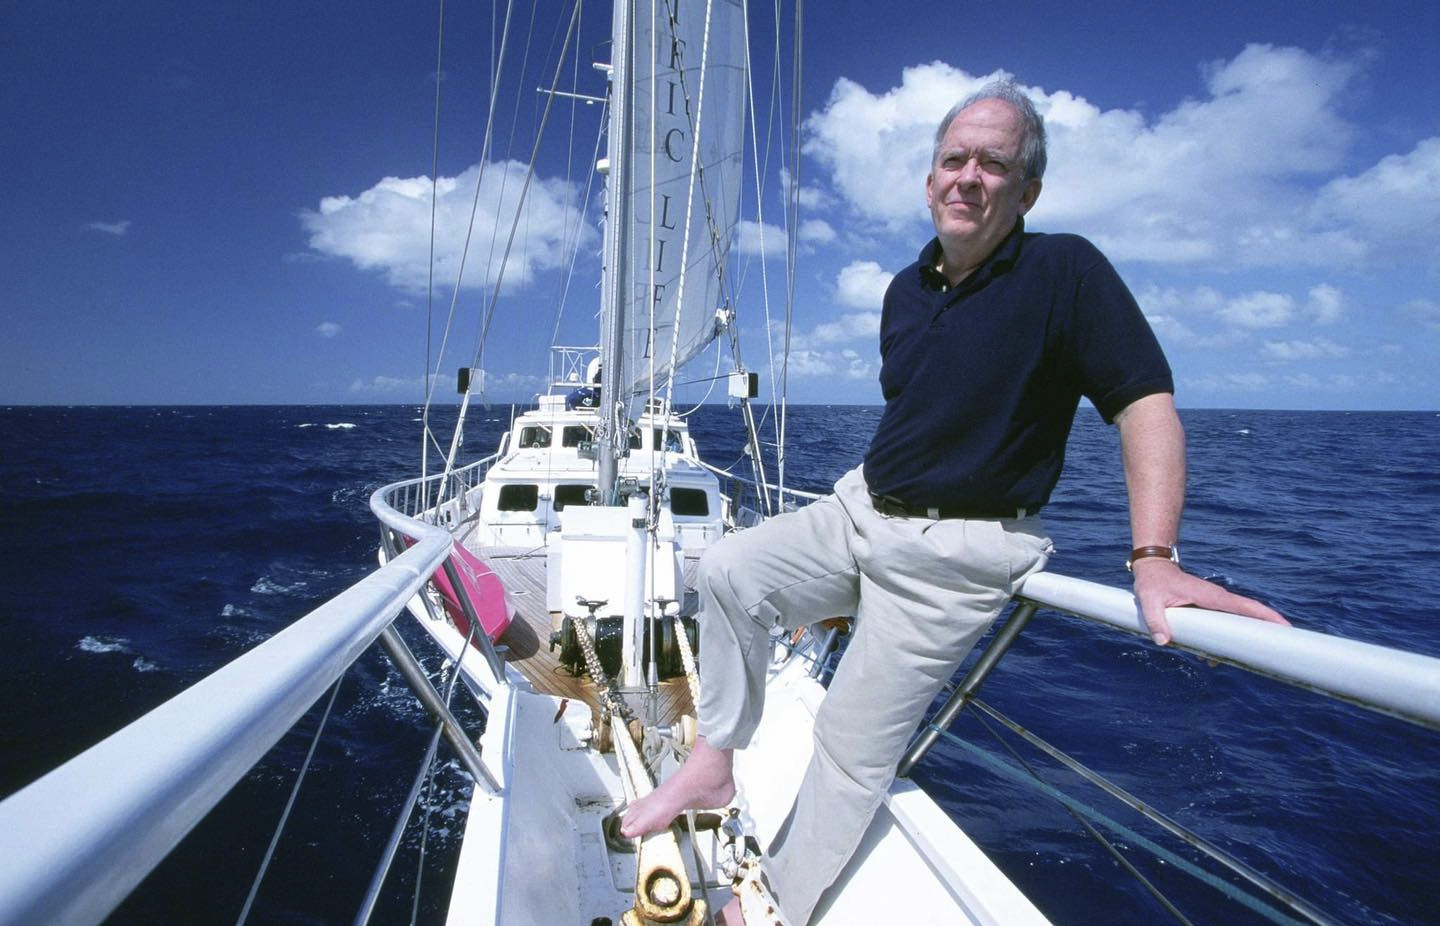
(988, 343)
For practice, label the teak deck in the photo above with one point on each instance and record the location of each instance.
(527, 641)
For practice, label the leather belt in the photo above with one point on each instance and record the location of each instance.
(894, 508)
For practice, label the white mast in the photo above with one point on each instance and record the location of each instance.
(613, 376)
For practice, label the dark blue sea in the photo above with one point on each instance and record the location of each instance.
(145, 547)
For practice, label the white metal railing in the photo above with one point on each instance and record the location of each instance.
(441, 500)
(782, 496)
(77, 841)
(413, 500)
(1380, 678)
(1391, 681)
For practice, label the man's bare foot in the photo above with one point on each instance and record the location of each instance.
(706, 780)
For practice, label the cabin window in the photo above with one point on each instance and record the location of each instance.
(571, 495)
(693, 502)
(519, 497)
(574, 434)
(669, 440)
(534, 437)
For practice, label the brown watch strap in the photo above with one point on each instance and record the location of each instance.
(1147, 552)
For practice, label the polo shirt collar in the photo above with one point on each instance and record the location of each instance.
(1000, 260)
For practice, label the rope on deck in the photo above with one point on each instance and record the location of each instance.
(687, 656)
(662, 883)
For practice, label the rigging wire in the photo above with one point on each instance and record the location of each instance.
(792, 225)
(761, 166)
(1094, 833)
(289, 805)
(372, 895)
(497, 66)
(485, 149)
(425, 434)
(495, 224)
(711, 380)
(760, 170)
(1288, 898)
(519, 210)
(578, 226)
(424, 778)
(430, 783)
(790, 209)
(489, 314)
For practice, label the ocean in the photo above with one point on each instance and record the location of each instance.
(145, 547)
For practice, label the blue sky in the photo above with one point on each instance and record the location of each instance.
(217, 202)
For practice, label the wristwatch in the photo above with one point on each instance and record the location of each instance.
(1172, 553)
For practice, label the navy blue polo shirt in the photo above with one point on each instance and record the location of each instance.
(982, 380)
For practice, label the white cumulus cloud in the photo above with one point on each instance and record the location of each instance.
(118, 229)
(1395, 203)
(387, 227)
(856, 326)
(816, 231)
(862, 285)
(1259, 310)
(759, 239)
(389, 387)
(1318, 349)
(831, 364)
(1203, 316)
(1247, 170)
(1326, 304)
(877, 147)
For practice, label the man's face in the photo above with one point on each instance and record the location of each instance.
(976, 188)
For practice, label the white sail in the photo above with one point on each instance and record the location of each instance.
(685, 110)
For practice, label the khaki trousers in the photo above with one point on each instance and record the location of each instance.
(922, 592)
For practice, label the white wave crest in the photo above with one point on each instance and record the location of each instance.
(103, 645)
(268, 586)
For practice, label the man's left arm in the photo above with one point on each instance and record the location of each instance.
(1152, 445)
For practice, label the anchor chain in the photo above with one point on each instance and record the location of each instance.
(612, 702)
(662, 884)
